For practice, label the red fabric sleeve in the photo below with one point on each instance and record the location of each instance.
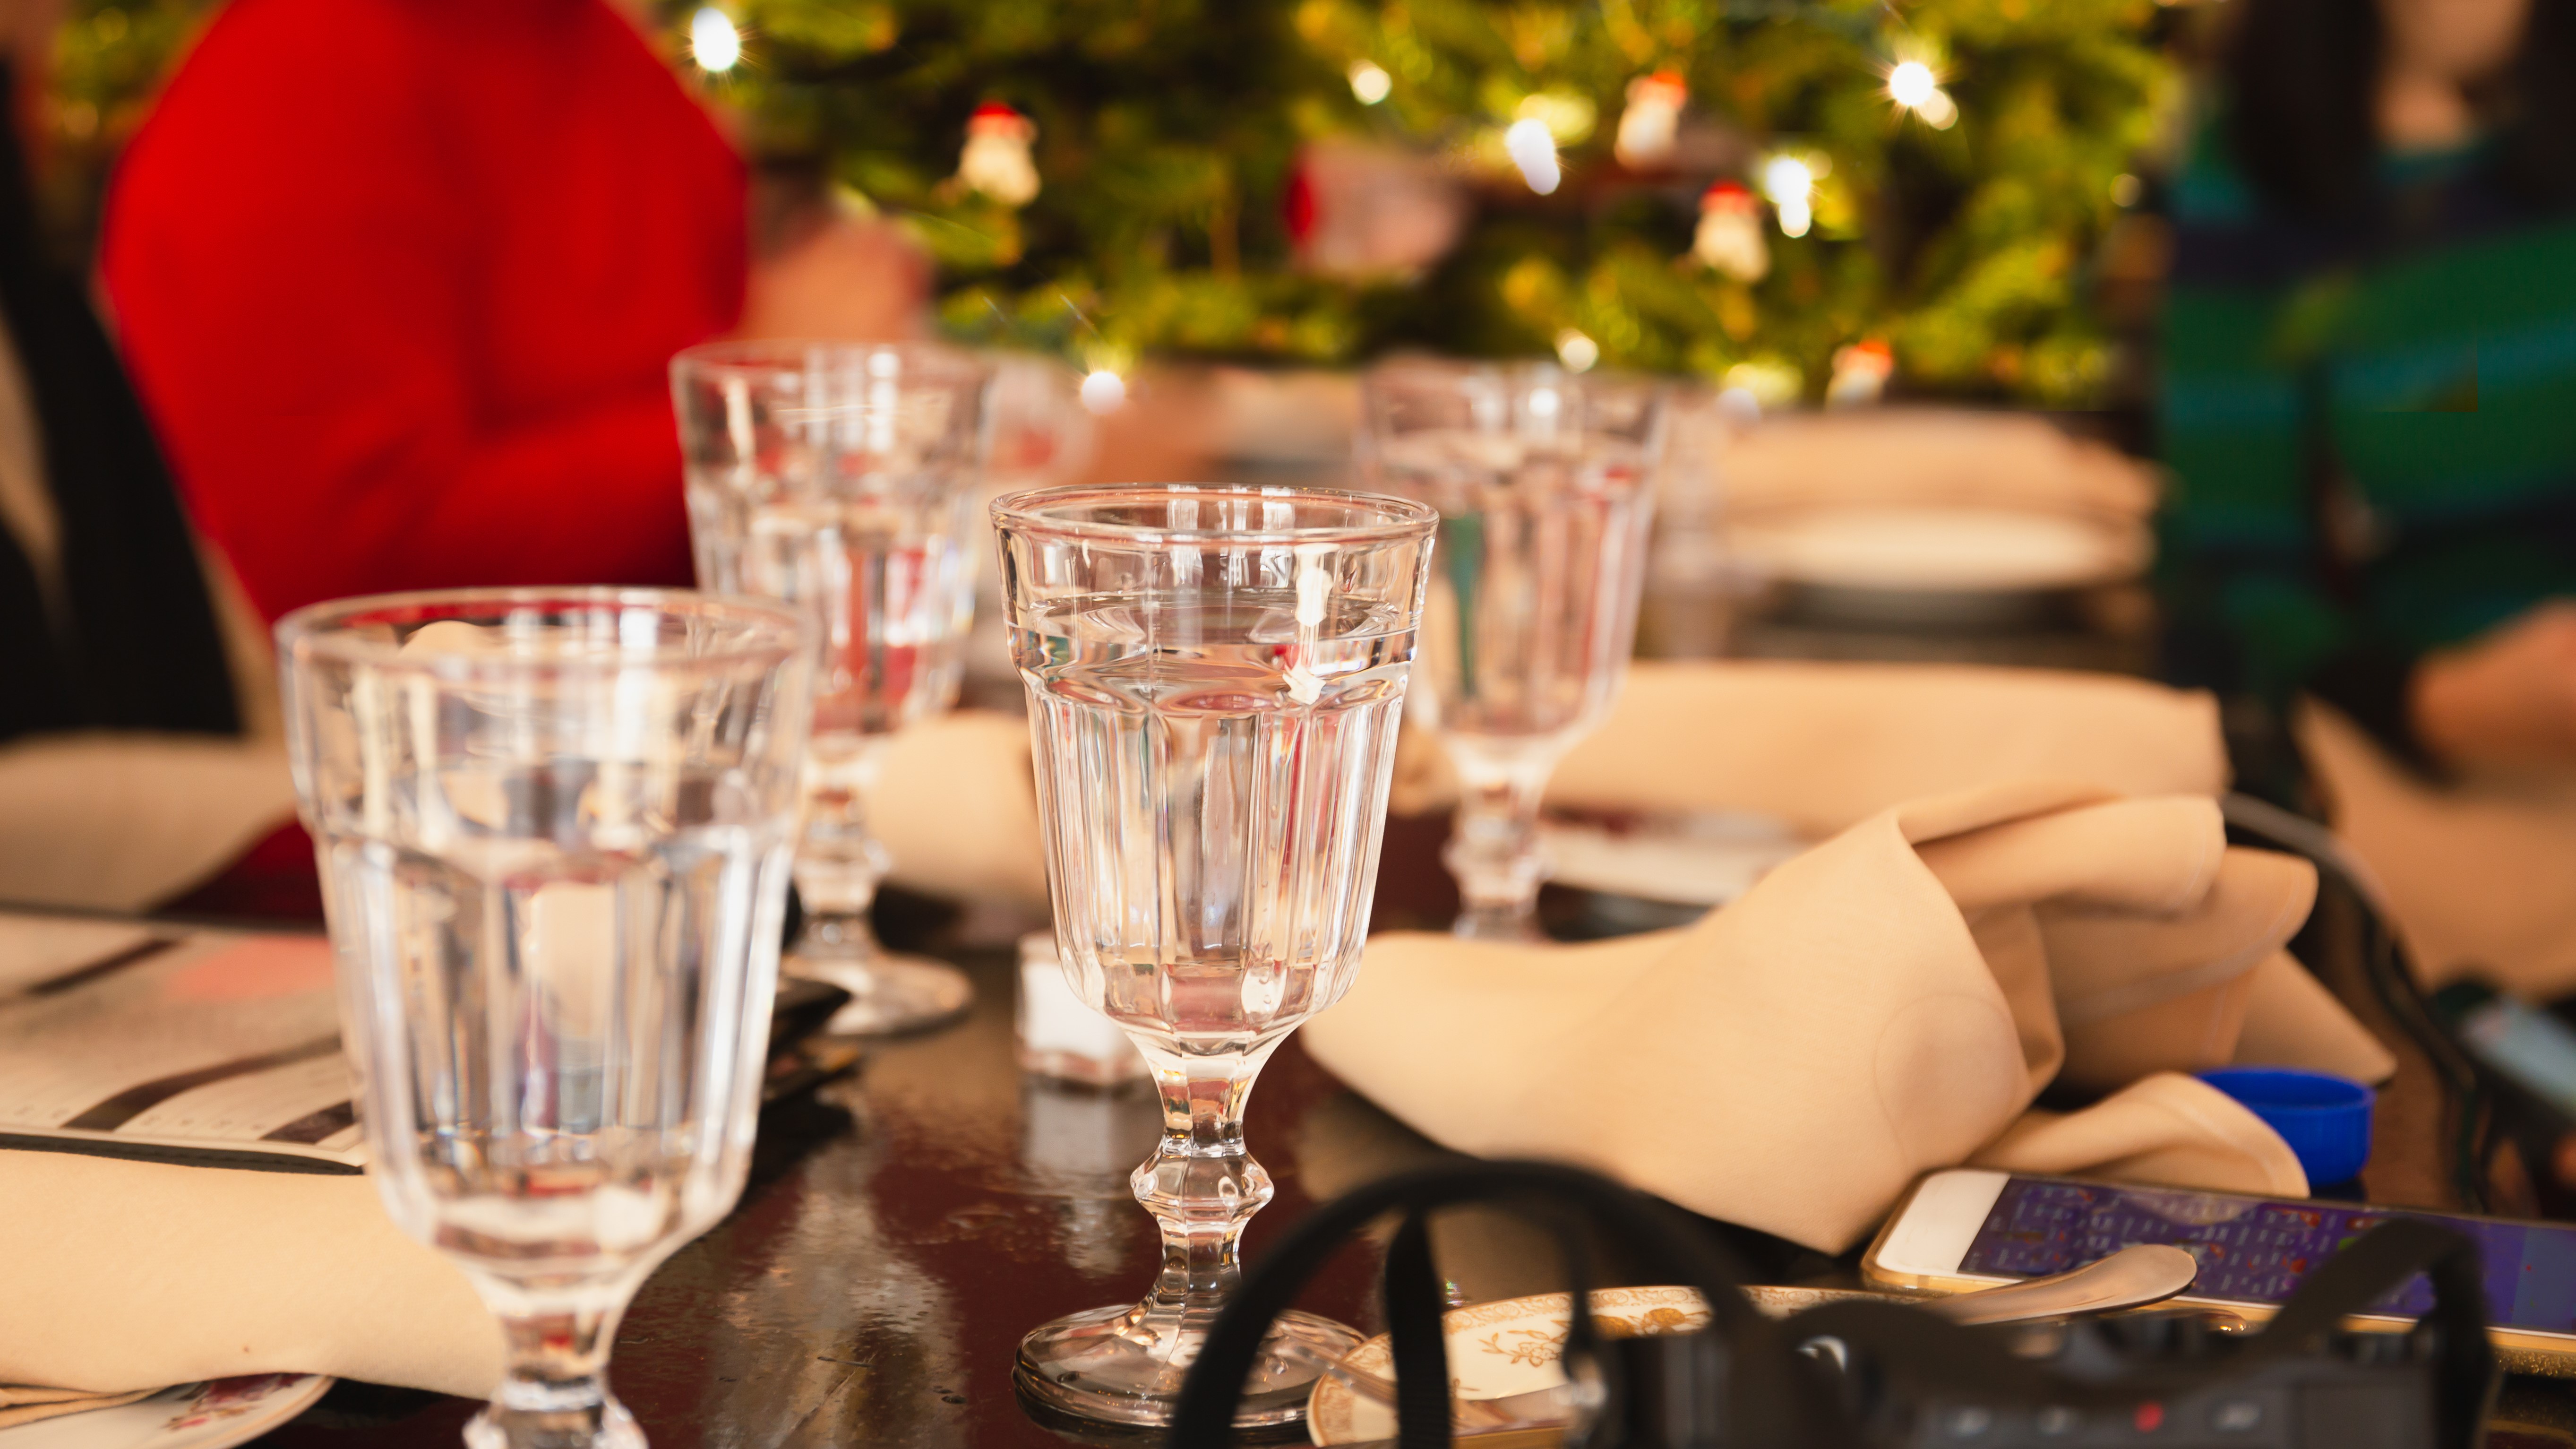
(290, 255)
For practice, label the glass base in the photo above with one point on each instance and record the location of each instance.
(1111, 1365)
(889, 995)
(1506, 924)
(532, 1429)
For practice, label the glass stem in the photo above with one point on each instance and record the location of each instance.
(555, 1392)
(839, 860)
(1201, 1186)
(1493, 849)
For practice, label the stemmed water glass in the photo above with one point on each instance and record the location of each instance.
(841, 477)
(1543, 482)
(1215, 677)
(554, 829)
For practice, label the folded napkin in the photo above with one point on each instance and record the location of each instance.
(125, 821)
(1822, 745)
(124, 1276)
(2475, 871)
(1817, 745)
(956, 805)
(1889, 1002)
(28, 1406)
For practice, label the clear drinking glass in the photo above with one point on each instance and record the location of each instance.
(1215, 676)
(1543, 481)
(554, 830)
(841, 477)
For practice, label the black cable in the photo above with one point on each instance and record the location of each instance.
(2392, 981)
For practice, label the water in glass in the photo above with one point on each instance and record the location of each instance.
(555, 834)
(1533, 606)
(1215, 679)
(1216, 787)
(1543, 481)
(841, 478)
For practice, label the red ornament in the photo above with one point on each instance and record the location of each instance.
(1297, 206)
(996, 161)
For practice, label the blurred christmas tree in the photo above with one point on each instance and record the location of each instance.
(109, 59)
(1749, 189)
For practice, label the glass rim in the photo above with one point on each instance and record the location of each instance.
(925, 362)
(1437, 369)
(321, 629)
(1031, 510)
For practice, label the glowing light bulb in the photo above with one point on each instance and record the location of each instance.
(1912, 84)
(1785, 178)
(1790, 183)
(1103, 391)
(1533, 150)
(1370, 82)
(713, 42)
(1576, 351)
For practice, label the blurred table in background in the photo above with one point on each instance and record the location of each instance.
(2109, 629)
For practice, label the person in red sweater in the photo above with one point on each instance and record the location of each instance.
(399, 281)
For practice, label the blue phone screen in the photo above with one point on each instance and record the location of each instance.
(2256, 1250)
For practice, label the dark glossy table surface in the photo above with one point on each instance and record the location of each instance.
(906, 1224)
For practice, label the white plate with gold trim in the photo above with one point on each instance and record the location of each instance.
(1508, 1347)
(1684, 857)
(216, 1414)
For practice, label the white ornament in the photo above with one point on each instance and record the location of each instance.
(1533, 149)
(1653, 116)
(1730, 233)
(996, 160)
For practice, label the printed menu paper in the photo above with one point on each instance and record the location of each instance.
(156, 1041)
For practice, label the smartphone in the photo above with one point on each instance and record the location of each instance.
(2526, 1046)
(1968, 1228)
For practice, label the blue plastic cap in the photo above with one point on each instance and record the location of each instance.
(2324, 1118)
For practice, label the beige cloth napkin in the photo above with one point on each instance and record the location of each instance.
(124, 821)
(1819, 745)
(1822, 745)
(30, 1406)
(121, 1276)
(2480, 874)
(956, 805)
(1889, 1002)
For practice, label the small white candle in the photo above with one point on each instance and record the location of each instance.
(1061, 1035)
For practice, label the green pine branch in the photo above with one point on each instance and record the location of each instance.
(1167, 131)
